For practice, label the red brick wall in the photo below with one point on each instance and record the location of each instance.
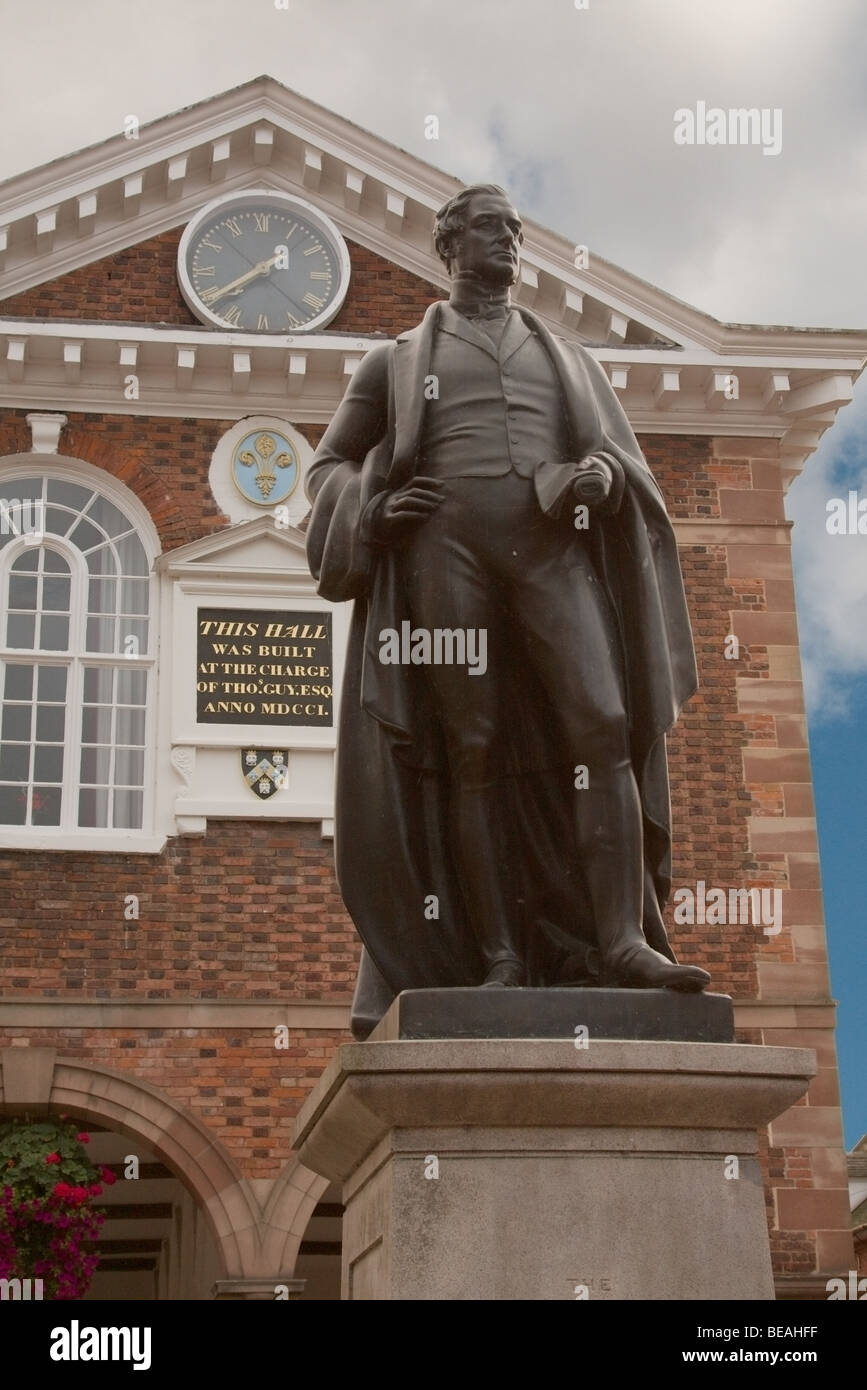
(140, 285)
(235, 1080)
(249, 911)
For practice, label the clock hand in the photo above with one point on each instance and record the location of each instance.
(235, 286)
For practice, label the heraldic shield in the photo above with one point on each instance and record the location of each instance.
(265, 770)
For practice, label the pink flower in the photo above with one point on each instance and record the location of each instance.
(52, 1158)
(62, 1189)
(95, 1190)
(83, 1138)
(79, 1194)
(107, 1176)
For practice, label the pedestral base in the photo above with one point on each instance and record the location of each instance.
(541, 1169)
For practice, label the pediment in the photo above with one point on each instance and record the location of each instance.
(251, 548)
(114, 195)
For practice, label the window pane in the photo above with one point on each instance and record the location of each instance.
(106, 515)
(131, 687)
(85, 536)
(54, 633)
(58, 520)
(20, 630)
(133, 636)
(13, 805)
(19, 682)
(127, 810)
(96, 765)
(48, 764)
(16, 722)
(49, 723)
(134, 596)
(101, 561)
(102, 596)
(70, 494)
(129, 767)
(96, 724)
(130, 726)
(46, 806)
(15, 762)
(55, 594)
(93, 807)
(97, 685)
(22, 591)
(131, 556)
(100, 634)
(26, 487)
(51, 684)
(54, 563)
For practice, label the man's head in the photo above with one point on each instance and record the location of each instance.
(479, 232)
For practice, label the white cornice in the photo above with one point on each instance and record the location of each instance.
(791, 393)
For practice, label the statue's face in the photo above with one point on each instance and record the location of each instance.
(489, 245)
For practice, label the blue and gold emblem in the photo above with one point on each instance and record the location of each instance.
(265, 467)
(265, 771)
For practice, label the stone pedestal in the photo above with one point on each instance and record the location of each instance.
(535, 1169)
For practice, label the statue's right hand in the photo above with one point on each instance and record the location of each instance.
(406, 508)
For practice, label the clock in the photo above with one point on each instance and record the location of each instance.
(263, 262)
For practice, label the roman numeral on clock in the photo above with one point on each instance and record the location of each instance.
(262, 220)
(313, 300)
(232, 316)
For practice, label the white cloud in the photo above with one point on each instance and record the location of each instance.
(831, 570)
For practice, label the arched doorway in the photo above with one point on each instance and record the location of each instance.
(201, 1226)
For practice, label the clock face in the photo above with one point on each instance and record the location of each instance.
(263, 262)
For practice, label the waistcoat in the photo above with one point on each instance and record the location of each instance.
(491, 411)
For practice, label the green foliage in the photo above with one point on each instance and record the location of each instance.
(24, 1147)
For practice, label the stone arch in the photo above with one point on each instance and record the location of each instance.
(35, 1079)
(289, 1208)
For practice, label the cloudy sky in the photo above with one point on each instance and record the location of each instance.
(573, 109)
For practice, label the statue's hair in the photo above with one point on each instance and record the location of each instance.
(451, 220)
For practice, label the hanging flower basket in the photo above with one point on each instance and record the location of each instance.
(47, 1221)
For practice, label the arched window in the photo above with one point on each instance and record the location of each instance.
(76, 662)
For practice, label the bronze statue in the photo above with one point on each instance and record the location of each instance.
(520, 647)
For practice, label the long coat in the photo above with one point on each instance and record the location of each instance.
(393, 863)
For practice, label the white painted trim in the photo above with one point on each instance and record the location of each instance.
(69, 835)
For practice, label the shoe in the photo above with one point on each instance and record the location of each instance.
(645, 968)
(506, 974)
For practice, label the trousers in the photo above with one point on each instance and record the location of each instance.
(488, 558)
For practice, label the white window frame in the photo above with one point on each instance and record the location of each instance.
(68, 835)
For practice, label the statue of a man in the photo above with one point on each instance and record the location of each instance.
(519, 648)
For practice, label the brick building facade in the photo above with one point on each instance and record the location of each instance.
(159, 1024)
